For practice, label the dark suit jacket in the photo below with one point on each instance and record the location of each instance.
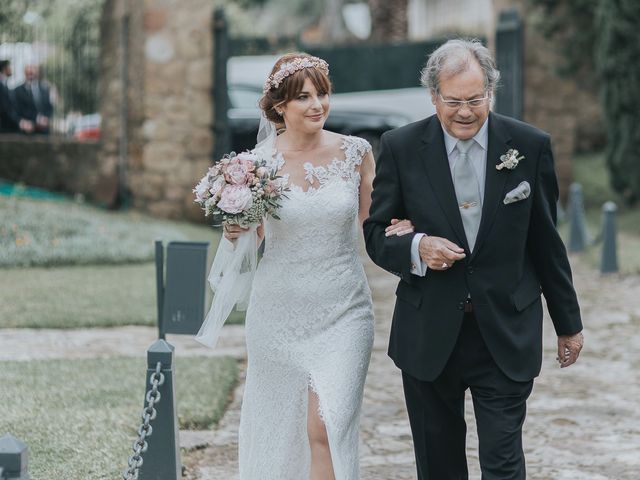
(518, 251)
(26, 106)
(9, 119)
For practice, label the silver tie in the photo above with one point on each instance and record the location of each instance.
(467, 189)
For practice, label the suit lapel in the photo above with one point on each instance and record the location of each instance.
(434, 158)
(495, 179)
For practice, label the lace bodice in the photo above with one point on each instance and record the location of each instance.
(328, 219)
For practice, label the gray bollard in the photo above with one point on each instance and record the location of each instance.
(162, 459)
(609, 262)
(560, 213)
(578, 235)
(14, 459)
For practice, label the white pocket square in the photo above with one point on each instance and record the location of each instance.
(521, 192)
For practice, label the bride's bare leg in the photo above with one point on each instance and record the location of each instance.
(321, 465)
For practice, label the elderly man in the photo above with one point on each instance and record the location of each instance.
(481, 190)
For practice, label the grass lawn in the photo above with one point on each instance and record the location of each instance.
(80, 417)
(51, 233)
(57, 289)
(591, 172)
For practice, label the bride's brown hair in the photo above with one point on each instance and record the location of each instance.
(291, 86)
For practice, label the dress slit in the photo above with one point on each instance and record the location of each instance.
(333, 447)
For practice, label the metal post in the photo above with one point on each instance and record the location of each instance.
(509, 57)
(609, 262)
(162, 459)
(578, 236)
(14, 459)
(220, 97)
(160, 285)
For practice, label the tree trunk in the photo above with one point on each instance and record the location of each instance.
(389, 20)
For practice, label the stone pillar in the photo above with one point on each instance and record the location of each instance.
(177, 125)
(168, 102)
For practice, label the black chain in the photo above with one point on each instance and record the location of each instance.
(149, 414)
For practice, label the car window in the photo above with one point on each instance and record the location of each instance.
(243, 97)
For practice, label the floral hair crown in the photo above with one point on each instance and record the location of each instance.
(289, 68)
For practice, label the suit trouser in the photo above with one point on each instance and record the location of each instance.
(436, 414)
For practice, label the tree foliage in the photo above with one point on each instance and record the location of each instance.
(571, 25)
(618, 62)
(602, 36)
(11, 13)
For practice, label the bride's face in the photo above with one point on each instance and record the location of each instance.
(308, 111)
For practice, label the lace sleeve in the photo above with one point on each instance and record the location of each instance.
(355, 149)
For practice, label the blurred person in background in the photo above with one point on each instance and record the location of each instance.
(10, 121)
(33, 100)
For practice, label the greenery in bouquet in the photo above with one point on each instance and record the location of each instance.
(240, 189)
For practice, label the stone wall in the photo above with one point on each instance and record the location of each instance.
(169, 108)
(56, 164)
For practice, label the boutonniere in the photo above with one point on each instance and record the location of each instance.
(510, 159)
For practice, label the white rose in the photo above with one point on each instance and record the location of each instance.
(247, 157)
(217, 186)
(201, 189)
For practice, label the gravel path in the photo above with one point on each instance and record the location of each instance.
(583, 422)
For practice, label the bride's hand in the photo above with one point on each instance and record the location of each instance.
(232, 232)
(399, 227)
(260, 232)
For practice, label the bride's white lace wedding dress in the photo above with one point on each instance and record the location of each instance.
(309, 325)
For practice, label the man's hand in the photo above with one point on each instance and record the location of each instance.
(439, 253)
(569, 347)
(26, 125)
(42, 122)
(399, 227)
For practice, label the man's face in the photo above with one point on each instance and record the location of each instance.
(462, 122)
(31, 72)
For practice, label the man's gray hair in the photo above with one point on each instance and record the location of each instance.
(453, 57)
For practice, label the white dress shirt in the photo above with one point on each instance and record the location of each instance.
(478, 156)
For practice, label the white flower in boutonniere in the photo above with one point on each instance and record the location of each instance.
(510, 159)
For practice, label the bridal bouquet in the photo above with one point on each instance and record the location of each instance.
(240, 189)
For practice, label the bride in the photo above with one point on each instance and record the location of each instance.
(309, 324)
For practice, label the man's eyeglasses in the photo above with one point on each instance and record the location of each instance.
(457, 104)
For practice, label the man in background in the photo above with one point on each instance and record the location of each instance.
(10, 121)
(33, 100)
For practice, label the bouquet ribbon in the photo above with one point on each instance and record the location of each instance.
(230, 280)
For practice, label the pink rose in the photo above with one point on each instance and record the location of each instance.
(248, 160)
(262, 172)
(235, 199)
(237, 173)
